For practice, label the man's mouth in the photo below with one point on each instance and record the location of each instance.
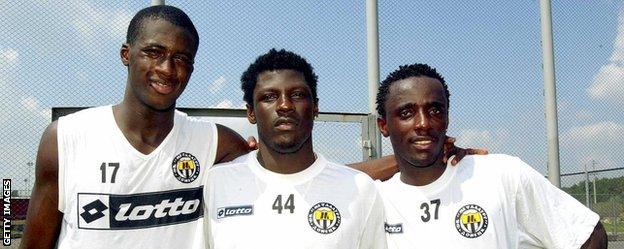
(422, 143)
(286, 124)
(162, 87)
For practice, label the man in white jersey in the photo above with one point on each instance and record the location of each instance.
(492, 201)
(131, 175)
(285, 195)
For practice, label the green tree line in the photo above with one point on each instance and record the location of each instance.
(606, 189)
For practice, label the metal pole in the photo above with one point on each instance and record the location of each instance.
(615, 216)
(550, 93)
(26, 188)
(31, 173)
(586, 186)
(372, 42)
(158, 2)
(594, 180)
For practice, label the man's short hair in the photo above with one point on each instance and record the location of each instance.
(161, 12)
(277, 60)
(404, 72)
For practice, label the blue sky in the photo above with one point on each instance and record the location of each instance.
(67, 54)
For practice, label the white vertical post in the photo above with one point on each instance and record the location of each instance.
(615, 217)
(372, 42)
(157, 2)
(586, 186)
(550, 93)
(594, 179)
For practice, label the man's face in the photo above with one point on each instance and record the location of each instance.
(160, 63)
(416, 120)
(283, 109)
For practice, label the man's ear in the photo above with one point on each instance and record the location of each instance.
(383, 126)
(448, 120)
(124, 54)
(251, 116)
(316, 109)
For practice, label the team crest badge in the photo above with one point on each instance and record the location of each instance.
(185, 167)
(324, 218)
(471, 221)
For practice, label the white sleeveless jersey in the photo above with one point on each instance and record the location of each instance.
(491, 201)
(324, 206)
(113, 196)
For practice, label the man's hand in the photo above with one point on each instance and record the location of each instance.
(450, 149)
(252, 143)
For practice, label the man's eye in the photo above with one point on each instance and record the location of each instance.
(297, 95)
(268, 97)
(405, 113)
(183, 59)
(435, 111)
(152, 53)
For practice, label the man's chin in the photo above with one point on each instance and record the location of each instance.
(286, 147)
(162, 107)
(423, 162)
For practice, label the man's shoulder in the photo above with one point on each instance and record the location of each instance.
(339, 167)
(182, 116)
(88, 113)
(348, 183)
(491, 162)
(490, 158)
(86, 120)
(192, 123)
(343, 174)
(234, 166)
(505, 170)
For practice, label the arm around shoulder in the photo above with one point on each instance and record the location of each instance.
(379, 169)
(43, 220)
(230, 145)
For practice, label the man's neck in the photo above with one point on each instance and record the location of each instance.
(420, 176)
(143, 127)
(288, 163)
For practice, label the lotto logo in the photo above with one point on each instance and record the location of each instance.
(234, 211)
(136, 211)
(393, 228)
(93, 211)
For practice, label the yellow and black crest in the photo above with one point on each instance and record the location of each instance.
(185, 167)
(471, 221)
(324, 218)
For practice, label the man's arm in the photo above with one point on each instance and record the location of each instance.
(550, 217)
(43, 222)
(230, 145)
(451, 150)
(385, 167)
(598, 238)
(378, 169)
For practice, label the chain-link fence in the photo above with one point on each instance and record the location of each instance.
(67, 54)
(603, 192)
